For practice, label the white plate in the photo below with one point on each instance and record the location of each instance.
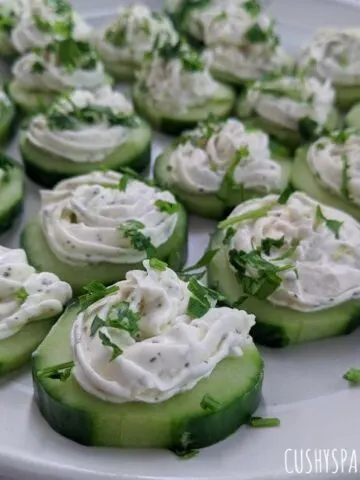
(303, 384)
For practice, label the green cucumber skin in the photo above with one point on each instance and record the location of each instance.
(11, 196)
(228, 78)
(47, 169)
(7, 124)
(235, 382)
(276, 326)
(352, 119)
(16, 350)
(347, 96)
(303, 179)
(42, 259)
(177, 124)
(7, 49)
(209, 205)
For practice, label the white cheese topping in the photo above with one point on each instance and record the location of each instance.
(287, 100)
(133, 34)
(27, 296)
(81, 218)
(26, 33)
(326, 264)
(201, 168)
(88, 142)
(336, 165)
(55, 77)
(171, 352)
(171, 87)
(334, 54)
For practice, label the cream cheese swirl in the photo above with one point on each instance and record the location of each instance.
(171, 353)
(87, 142)
(81, 217)
(203, 168)
(27, 296)
(334, 54)
(326, 265)
(336, 165)
(287, 100)
(133, 34)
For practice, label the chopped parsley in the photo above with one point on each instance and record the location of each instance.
(202, 299)
(285, 195)
(106, 341)
(8, 19)
(260, 422)
(183, 8)
(71, 54)
(250, 215)
(228, 182)
(210, 404)
(123, 183)
(21, 295)
(167, 207)
(268, 243)
(353, 376)
(190, 59)
(121, 317)
(344, 189)
(308, 128)
(157, 264)
(253, 7)
(340, 137)
(230, 233)
(94, 292)
(58, 372)
(38, 68)
(333, 225)
(255, 34)
(132, 229)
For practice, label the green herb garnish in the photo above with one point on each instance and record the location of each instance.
(97, 323)
(41, 23)
(353, 376)
(202, 299)
(268, 243)
(253, 7)
(21, 295)
(285, 195)
(105, 340)
(131, 229)
(60, 121)
(121, 316)
(333, 225)
(189, 58)
(260, 422)
(228, 182)
(308, 128)
(209, 403)
(95, 291)
(167, 207)
(8, 19)
(58, 372)
(203, 262)
(230, 233)
(250, 215)
(344, 177)
(256, 34)
(157, 264)
(340, 137)
(123, 183)
(38, 68)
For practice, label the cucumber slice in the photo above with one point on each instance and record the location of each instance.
(72, 412)
(11, 192)
(352, 119)
(40, 256)
(177, 122)
(209, 205)
(30, 102)
(7, 49)
(16, 351)
(229, 78)
(292, 139)
(302, 178)
(7, 117)
(279, 326)
(347, 96)
(48, 169)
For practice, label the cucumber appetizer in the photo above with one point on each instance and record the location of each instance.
(240, 39)
(84, 131)
(123, 44)
(328, 171)
(334, 54)
(7, 117)
(149, 362)
(174, 89)
(30, 303)
(27, 24)
(11, 191)
(100, 225)
(293, 108)
(352, 119)
(220, 164)
(62, 66)
(293, 263)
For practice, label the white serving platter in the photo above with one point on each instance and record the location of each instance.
(303, 385)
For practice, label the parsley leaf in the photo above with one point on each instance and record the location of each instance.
(157, 264)
(344, 177)
(333, 225)
(96, 324)
(256, 34)
(38, 68)
(167, 207)
(189, 58)
(285, 195)
(105, 340)
(260, 422)
(268, 243)
(41, 23)
(60, 121)
(308, 128)
(209, 403)
(8, 19)
(353, 376)
(131, 229)
(95, 291)
(123, 183)
(58, 372)
(121, 316)
(228, 182)
(253, 7)
(250, 215)
(340, 137)
(230, 233)
(202, 298)
(21, 295)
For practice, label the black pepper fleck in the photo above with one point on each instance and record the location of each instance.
(152, 360)
(186, 364)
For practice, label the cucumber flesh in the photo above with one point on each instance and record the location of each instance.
(279, 326)
(347, 96)
(352, 119)
(177, 122)
(40, 256)
(6, 123)
(11, 194)
(302, 178)
(48, 169)
(16, 350)
(209, 205)
(30, 102)
(72, 412)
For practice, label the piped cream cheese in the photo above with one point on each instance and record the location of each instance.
(286, 100)
(199, 165)
(171, 351)
(81, 218)
(334, 54)
(27, 296)
(335, 162)
(324, 258)
(87, 142)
